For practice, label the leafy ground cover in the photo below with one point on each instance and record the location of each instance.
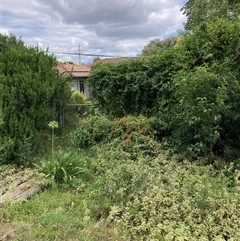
(131, 189)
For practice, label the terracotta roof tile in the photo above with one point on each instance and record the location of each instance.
(75, 69)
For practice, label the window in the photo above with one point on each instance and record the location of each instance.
(78, 84)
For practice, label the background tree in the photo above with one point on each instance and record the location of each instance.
(200, 11)
(65, 62)
(156, 45)
(96, 59)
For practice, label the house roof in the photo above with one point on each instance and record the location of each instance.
(80, 70)
(75, 69)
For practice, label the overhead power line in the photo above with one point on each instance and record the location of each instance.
(92, 55)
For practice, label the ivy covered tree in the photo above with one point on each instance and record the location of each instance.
(29, 97)
(134, 87)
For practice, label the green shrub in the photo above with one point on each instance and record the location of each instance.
(100, 129)
(62, 168)
(79, 108)
(206, 115)
(197, 123)
(78, 97)
(91, 131)
(140, 86)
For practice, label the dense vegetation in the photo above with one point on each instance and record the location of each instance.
(30, 98)
(139, 86)
(123, 185)
(193, 89)
(156, 158)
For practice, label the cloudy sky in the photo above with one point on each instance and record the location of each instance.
(104, 27)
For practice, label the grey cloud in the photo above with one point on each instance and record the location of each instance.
(157, 24)
(93, 12)
(118, 19)
(117, 27)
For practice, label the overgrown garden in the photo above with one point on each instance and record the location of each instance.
(191, 89)
(156, 158)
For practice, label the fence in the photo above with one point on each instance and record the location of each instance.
(74, 113)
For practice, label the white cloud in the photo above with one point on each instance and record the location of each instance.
(119, 28)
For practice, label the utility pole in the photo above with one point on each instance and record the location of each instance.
(79, 54)
(1, 18)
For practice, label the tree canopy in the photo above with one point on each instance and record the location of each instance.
(156, 45)
(200, 11)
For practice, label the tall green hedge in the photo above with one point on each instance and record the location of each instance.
(29, 98)
(134, 87)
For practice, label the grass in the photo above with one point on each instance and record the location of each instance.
(55, 213)
(52, 215)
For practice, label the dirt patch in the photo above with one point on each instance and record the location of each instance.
(8, 231)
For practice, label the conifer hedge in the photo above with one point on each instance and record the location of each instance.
(29, 98)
